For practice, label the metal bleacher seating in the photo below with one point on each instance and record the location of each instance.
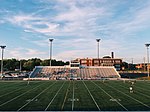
(92, 72)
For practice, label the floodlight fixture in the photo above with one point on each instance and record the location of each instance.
(51, 40)
(2, 47)
(147, 45)
(98, 40)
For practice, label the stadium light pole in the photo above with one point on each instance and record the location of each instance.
(50, 40)
(20, 65)
(98, 40)
(147, 46)
(2, 47)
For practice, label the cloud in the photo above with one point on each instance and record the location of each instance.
(81, 17)
(23, 20)
(75, 24)
(33, 52)
(71, 21)
(28, 31)
(2, 21)
(20, 53)
(73, 54)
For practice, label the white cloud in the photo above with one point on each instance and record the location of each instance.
(33, 52)
(73, 54)
(75, 19)
(20, 53)
(21, 19)
(2, 21)
(28, 31)
(79, 23)
(15, 53)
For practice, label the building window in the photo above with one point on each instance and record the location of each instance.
(83, 61)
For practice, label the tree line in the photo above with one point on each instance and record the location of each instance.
(28, 65)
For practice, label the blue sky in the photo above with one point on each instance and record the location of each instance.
(122, 25)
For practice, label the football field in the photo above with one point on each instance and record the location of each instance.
(83, 95)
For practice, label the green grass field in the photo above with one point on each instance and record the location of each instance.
(74, 95)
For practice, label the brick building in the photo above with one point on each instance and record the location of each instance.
(105, 61)
(142, 66)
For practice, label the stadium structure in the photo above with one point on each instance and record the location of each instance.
(76, 71)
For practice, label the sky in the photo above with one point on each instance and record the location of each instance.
(122, 25)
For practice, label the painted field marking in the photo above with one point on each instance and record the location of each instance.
(91, 96)
(65, 97)
(20, 95)
(73, 96)
(13, 91)
(142, 88)
(137, 92)
(129, 96)
(12, 81)
(54, 96)
(36, 96)
(110, 96)
(11, 84)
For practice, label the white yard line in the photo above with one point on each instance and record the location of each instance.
(19, 95)
(130, 96)
(73, 96)
(11, 81)
(11, 84)
(142, 88)
(65, 97)
(92, 96)
(54, 97)
(143, 94)
(110, 96)
(12, 91)
(136, 91)
(36, 96)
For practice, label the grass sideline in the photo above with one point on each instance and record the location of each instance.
(74, 95)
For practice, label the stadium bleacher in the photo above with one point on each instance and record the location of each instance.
(67, 72)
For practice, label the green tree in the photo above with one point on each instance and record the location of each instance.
(11, 64)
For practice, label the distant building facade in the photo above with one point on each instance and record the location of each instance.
(142, 66)
(105, 61)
